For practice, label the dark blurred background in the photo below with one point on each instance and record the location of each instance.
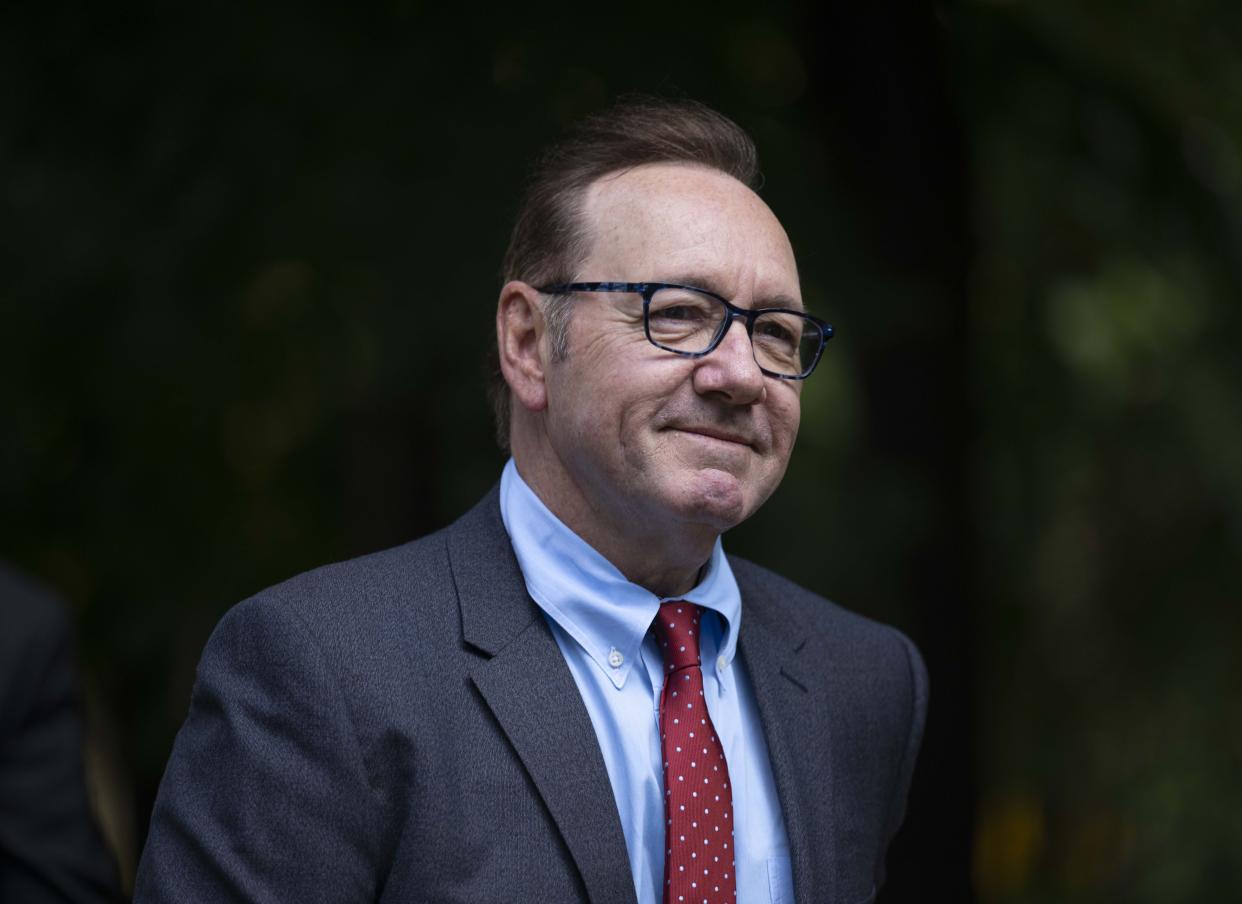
(242, 247)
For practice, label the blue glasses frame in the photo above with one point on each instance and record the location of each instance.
(648, 289)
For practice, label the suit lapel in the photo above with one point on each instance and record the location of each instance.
(773, 651)
(531, 692)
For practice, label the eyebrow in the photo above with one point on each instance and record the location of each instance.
(702, 281)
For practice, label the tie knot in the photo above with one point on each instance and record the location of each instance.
(677, 632)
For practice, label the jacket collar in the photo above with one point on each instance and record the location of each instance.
(522, 676)
(778, 651)
(524, 680)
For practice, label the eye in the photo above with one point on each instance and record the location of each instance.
(683, 308)
(772, 329)
(681, 312)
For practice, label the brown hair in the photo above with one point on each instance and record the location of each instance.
(550, 239)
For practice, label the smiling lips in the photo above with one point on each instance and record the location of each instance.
(713, 432)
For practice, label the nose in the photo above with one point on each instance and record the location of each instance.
(730, 370)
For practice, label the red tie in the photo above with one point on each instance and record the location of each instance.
(698, 804)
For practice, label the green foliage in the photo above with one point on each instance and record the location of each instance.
(1107, 145)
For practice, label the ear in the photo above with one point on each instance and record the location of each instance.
(519, 339)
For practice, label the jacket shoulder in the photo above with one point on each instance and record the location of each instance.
(354, 588)
(372, 589)
(787, 607)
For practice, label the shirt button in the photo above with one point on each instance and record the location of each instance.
(615, 659)
(721, 664)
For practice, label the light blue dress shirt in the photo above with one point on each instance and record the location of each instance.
(601, 621)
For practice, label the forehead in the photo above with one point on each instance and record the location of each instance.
(675, 222)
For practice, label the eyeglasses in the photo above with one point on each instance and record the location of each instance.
(787, 344)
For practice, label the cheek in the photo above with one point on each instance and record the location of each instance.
(786, 416)
(794, 420)
(612, 417)
(642, 393)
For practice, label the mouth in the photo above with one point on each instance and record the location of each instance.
(717, 434)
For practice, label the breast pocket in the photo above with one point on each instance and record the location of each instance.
(780, 880)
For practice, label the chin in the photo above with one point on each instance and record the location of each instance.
(716, 498)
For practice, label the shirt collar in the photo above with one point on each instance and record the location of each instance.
(588, 597)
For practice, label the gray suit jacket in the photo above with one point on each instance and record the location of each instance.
(403, 727)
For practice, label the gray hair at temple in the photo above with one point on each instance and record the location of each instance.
(550, 238)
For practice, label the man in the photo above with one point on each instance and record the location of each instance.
(514, 708)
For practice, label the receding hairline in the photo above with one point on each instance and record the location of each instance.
(590, 191)
(588, 221)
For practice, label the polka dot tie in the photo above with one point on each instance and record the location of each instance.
(698, 802)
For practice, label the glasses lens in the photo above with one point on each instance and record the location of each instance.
(785, 343)
(684, 320)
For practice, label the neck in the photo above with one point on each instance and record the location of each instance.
(663, 558)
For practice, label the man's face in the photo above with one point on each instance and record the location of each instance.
(650, 439)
